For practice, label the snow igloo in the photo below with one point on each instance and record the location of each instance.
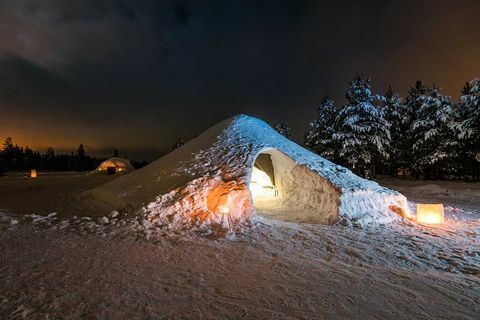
(239, 169)
(114, 165)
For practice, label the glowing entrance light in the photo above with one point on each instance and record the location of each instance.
(224, 210)
(430, 213)
(261, 185)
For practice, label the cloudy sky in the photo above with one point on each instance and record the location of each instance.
(137, 75)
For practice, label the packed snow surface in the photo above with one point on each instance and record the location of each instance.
(206, 182)
(62, 262)
(117, 267)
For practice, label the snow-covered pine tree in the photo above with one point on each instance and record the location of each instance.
(434, 145)
(469, 110)
(395, 114)
(284, 129)
(319, 136)
(363, 133)
(415, 99)
(469, 125)
(413, 102)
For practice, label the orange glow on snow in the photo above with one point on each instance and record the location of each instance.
(430, 213)
(227, 199)
(402, 212)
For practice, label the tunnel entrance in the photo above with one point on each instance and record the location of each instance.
(285, 190)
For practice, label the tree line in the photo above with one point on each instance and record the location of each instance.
(424, 135)
(16, 158)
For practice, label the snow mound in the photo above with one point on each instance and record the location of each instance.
(206, 182)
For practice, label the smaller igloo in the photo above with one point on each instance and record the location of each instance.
(114, 165)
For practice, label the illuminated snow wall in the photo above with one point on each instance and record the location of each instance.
(292, 192)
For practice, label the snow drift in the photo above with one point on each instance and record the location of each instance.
(208, 182)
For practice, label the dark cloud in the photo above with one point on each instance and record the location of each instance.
(138, 74)
(23, 81)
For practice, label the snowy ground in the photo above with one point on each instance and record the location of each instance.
(460, 194)
(60, 266)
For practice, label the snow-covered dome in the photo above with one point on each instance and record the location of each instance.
(114, 165)
(241, 167)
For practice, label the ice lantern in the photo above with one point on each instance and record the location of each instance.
(430, 213)
(33, 173)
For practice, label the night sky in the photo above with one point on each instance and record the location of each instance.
(137, 75)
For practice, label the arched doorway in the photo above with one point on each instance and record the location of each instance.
(284, 190)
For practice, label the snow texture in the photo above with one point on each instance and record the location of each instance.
(206, 182)
(80, 267)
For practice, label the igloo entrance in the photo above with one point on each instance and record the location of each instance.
(285, 190)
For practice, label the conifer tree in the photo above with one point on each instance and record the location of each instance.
(413, 102)
(81, 151)
(415, 99)
(81, 163)
(50, 158)
(363, 133)
(469, 125)
(469, 110)
(178, 144)
(319, 137)
(8, 143)
(467, 87)
(395, 114)
(434, 145)
(50, 154)
(284, 129)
